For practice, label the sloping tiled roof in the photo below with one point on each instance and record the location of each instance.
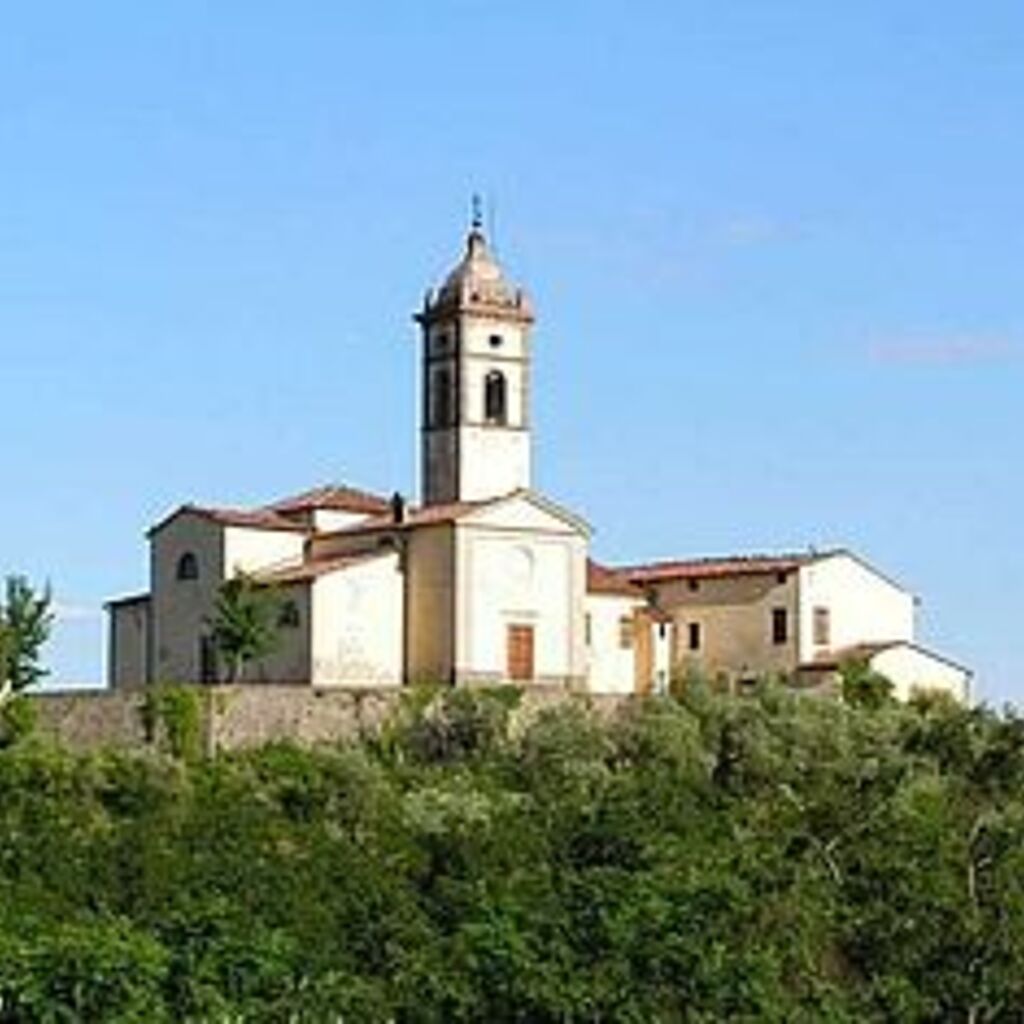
(256, 519)
(602, 580)
(716, 568)
(332, 496)
(866, 651)
(314, 568)
(449, 512)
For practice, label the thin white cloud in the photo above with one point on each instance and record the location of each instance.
(943, 349)
(747, 231)
(69, 612)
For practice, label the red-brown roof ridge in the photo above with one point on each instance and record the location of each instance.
(603, 580)
(340, 497)
(717, 567)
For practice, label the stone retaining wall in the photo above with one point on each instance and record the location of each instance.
(247, 715)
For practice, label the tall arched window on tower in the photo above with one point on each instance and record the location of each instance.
(495, 397)
(442, 399)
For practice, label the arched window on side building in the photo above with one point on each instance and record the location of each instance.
(188, 567)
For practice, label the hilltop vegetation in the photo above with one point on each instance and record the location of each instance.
(706, 859)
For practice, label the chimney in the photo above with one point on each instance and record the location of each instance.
(397, 508)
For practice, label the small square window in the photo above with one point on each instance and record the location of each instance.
(588, 629)
(693, 584)
(496, 341)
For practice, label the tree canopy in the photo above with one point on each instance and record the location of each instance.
(26, 618)
(700, 859)
(244, 625)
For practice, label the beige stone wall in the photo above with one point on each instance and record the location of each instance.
(735, 619)
(430, 604)
(236, 717)
(127, 663)
(291, 659)
(181, 608)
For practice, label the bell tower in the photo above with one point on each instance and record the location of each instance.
(476, 381)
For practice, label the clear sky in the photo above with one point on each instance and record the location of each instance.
(776, 249)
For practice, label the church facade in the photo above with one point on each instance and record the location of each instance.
(487, 581)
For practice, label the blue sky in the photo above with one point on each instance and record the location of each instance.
(776, 249)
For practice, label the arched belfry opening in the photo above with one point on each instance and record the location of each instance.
(442, 398)
(496, 398)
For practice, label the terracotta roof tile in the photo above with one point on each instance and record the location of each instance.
(256, 519)
(602, 580)
(314, 568)
(716, 568)
(332, 496)
(259, 519)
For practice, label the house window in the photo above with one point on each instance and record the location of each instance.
(781, 577)
(693, 584)
(626, 632)
(495, 397)
(288, 618)
(442, 398)
(780, 626)
(496, 341)
(662, 631)
(588, 629)
(188, 567)
(693, 636)
(822, 627)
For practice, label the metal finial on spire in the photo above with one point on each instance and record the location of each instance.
(478, 212)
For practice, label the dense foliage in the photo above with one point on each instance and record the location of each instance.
(709, 859)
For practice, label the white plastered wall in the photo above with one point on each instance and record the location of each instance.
(518, 564)
(912, 669)
(864, 607)
(250, 551)
(357, 624)
(611, 668)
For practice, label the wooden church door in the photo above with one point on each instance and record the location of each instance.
(519, 648)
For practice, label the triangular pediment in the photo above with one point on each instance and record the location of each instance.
(526, 510)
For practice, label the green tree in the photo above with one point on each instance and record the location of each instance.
(26, 619)
(863, 686)
(244, 625)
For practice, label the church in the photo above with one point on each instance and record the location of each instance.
(486, 581)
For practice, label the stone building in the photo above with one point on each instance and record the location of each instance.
(486, 580)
